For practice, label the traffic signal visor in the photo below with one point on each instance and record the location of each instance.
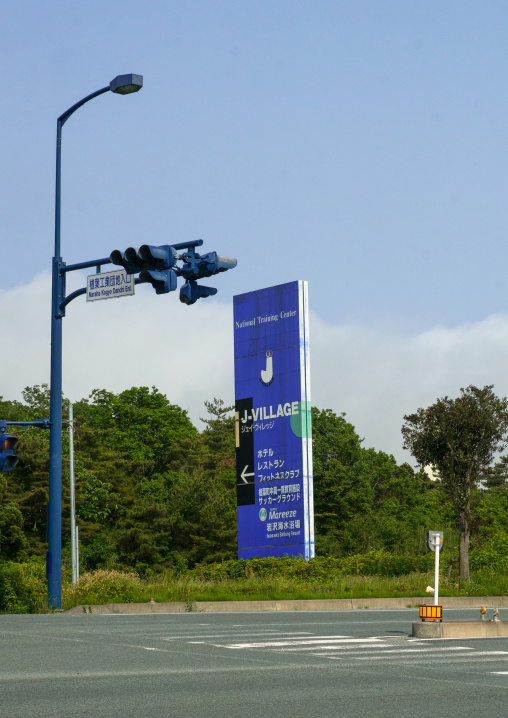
(146, 257)
(8, 445)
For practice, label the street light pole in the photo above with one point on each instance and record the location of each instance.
(122, 85)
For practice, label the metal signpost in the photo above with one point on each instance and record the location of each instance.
(434, 541)
(72, 486)
(275, 505)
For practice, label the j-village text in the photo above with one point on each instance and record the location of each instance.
(262, 413)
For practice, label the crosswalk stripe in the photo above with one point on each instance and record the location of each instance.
(393, 650)
(336, 647)
(313, 641)
(441, 657)
(264, 634)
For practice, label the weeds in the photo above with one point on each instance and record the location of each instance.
(23, 588)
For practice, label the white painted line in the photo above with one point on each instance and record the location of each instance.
(489, 653)
(369, 650)
(469, 638)
(500, 673)
(313, 641)
(269, 634)
(337, 647)
(439, 657)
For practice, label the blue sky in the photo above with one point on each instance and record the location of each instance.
(361, 146)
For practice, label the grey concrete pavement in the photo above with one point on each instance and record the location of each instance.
(347, 664)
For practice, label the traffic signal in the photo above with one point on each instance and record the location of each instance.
(8, 445)
(154, 265)
(146, 257)
(162, 282)
(206, 265)
(158, 266)
(192, 291)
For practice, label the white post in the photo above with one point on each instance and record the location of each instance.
(77, 552)
(74, 548)
(436, 572)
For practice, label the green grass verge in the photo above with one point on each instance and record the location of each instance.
(113, 587)
(23, 586)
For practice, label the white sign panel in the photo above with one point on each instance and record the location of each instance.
(109, 285)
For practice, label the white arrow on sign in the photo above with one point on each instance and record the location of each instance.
(244, 474)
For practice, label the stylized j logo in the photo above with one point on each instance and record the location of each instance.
(267, 373)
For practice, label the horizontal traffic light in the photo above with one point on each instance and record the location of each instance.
(8, 446)
(191, 292)
(158, 266)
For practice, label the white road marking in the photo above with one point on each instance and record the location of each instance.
(379, 648)
(406, 650)
(500, 673)
(321, 639)
(268, 634)
(337, 647)
(474, 653)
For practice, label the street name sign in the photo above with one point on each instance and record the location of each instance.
(109, 285)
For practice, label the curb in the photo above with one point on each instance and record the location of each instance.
(461, 629)
(330, 604)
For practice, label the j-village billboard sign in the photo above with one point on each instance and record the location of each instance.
(273, 425)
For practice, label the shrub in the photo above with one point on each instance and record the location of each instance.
(102, 586)
(23, 587)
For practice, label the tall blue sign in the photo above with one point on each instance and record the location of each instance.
(273, 422)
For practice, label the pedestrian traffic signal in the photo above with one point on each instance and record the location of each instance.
(8, 445)
(192, 291)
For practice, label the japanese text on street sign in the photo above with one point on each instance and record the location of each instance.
(109, 285)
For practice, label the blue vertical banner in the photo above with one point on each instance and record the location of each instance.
(275, 505)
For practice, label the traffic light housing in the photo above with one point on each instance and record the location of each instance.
(8, 444)
(158, 267)
(154, 265)
(163, 282)
(198, 266)
(146, 257)
(192, 291)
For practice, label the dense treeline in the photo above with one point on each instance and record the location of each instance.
(154, 492)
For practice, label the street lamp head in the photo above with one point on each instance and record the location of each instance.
(125, 84)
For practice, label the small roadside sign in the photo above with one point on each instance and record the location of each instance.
(109, 285)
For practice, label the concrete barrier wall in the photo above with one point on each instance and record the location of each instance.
(331, 604)
(461, 629)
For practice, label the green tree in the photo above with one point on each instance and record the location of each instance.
(458, 438)
(363, 500)
(13, 542)
(496, 477)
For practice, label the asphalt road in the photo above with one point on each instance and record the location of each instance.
(345, 664)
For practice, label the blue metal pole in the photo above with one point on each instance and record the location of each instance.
(54, 517)
(122, 85)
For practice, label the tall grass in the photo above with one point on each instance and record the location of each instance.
(23, 586)
(114, 587)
